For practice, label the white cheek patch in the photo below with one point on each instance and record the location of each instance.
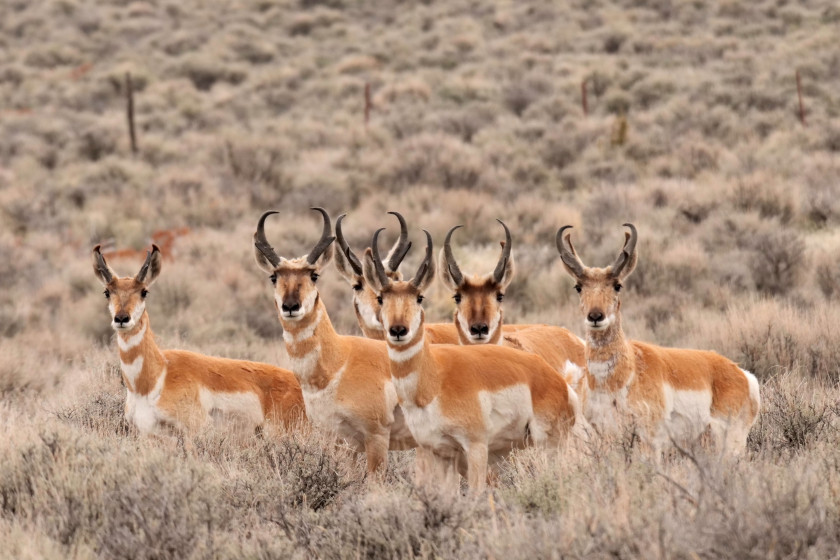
(368, 315)
(132, 371)
(464, 327)
(308, 303)
(127, 344)
(494, 325)
(404, 354)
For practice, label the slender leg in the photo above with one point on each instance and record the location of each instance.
(376, 452)
(477, 467)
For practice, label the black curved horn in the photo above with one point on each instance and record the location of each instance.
(626, 252)
(354, 261)
(426, 265)
(325, 240)
(402, 245)
(262, 244)
(102, 266)
(377, 261)
(454, 271)
(499, 273)
(567, 255)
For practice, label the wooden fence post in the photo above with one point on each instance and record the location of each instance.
(129, 99)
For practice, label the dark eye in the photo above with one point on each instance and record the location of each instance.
(358, 287)
(379, 300)
(107, 294)
(618, 287)
(273, 278)
(144, 293)
(420, 299)
(457, 298)
(578, 288)
(314, 276)
(499, 297)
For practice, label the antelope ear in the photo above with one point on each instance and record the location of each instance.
(101, 270)
(369, 271)
(445, 275)
(345, 268)
(263, 262)
(150, 270)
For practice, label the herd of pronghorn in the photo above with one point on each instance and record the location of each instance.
(464, 394)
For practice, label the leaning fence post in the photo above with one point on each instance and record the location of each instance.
(799, 92)
(368, 104)
(583, 101)
(129, 100)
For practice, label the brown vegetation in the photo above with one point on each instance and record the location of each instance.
(246, 105)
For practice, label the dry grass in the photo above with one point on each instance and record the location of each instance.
(692, 134)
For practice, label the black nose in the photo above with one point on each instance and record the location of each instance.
(479, 328)
(122, 318)
(595, 316)
(397, 331)
(291, 306)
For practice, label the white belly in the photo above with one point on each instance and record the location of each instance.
(241, 407)
(687, 414)
(507, 415)
(608, 412)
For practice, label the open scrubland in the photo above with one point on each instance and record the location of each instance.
(693, 134)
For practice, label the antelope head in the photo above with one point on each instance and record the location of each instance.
(350, 267)
(127, 296)
(295, 292)
(400, 301)
(598, 287)
(478, 299)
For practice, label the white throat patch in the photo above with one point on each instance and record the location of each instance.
(132, 341)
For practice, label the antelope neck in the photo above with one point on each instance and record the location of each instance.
(413, 371)
(608, 357)
(315, 349)
(141, 361)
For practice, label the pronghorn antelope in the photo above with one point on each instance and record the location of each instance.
(364, 298)
(671, 394)
(465, 405)
(479, 315)
(345, 380)
(179, 389)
